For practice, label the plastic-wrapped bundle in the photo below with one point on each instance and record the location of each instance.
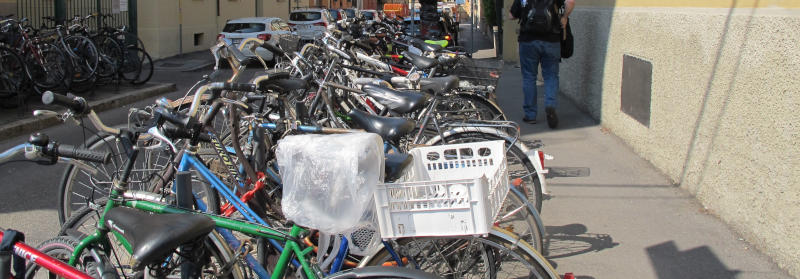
(329, 180)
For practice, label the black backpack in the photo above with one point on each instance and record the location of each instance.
(541, 18)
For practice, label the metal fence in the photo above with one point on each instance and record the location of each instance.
(35, 10)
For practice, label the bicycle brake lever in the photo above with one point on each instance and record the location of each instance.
(160, 136)
(44, 113)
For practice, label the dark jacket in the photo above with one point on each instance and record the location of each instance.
(519, 11)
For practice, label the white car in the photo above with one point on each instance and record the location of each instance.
(311, 23)
(270, 29)
(371, 16)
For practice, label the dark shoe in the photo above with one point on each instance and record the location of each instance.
(552, 118)
(528, 120)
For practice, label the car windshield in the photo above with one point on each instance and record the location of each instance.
(350, 13)
(334, 14)
(244, 27)
(305, 16)
(368, 15)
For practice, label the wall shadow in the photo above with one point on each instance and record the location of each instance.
(714, 120)
(582, 75)
(698, 262)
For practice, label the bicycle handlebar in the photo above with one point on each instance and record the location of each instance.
(76, 104)
(83, 154)
(54, 149)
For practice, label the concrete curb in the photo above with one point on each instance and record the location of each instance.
(31, 124)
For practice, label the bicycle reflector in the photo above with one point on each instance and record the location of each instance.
(264, 37)
(569, 275)
(541, 157)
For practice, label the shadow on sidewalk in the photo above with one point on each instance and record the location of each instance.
(699, 262)
(574, 239)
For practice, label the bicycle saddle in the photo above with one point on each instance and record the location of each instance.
(389, 128)
(438, 85)
(284, 85)
(421, 62)
(398, 101)
(424, 46)
(153, 236)
(394, 164)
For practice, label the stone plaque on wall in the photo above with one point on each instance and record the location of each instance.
(637, 78)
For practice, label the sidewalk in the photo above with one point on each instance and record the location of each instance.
(613, 215)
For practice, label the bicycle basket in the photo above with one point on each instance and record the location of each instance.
(450, 190)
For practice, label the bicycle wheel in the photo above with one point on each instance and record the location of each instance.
(84, 55)
(110, 56)
(83, 182)
(48, 67)
(381, 272)
(92, 262)
(131, 65)
(519, 165)
(146, 68)
(489, 110)
(499, 255)
(12, 78)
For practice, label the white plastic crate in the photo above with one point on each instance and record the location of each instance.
(450, 190)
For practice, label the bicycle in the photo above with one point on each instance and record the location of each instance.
(151, 246)
(44, 256)
(196, 102)
(45, 64)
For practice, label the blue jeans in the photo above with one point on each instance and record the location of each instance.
(530, 54)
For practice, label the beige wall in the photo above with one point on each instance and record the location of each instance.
(159, 22)
(725, 109)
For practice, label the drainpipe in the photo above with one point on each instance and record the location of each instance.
(180, 27)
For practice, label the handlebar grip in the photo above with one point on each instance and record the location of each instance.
(73, 103)
(273, 48)
(181, 120)
(74, 152)
(247, 87)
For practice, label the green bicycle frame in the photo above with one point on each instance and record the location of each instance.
(291, 248)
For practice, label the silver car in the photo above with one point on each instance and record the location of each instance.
(270, 29)
(311, 23)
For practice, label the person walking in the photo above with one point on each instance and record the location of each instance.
(541, 27)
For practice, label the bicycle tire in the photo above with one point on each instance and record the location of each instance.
(381, 272)
(12, 78)
(498, 255)
(131, 65)
(519, 165)
(110, 56)
(83, 181)
(492, 110)
(93, 261)
(49, 68)
(146, 68)
(84, 55)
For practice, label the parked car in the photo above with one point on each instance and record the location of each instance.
(311, 23)
(270, 29)
(371, 16)
(352, 13)
(339, 16)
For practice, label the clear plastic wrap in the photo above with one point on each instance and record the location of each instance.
(329, 180)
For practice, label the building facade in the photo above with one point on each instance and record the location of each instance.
(707, 91)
